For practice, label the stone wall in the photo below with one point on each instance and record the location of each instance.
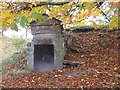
(47, 33)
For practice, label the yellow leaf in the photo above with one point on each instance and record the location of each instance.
(92, 54)
(4, 4)
(36, 9)
(113, 23)
(25, 14)
(89, 5)
(43, 9)
(63, 23)
(111, 26)
(95, 25)
(39, 78)
(4, 25)
(95, 12)
(83, 14)
(114, 18)
(98, 10)
(26, 81)
(11, 19)
(35, 3)
(83, 22)
(31, 5)
(5, 13)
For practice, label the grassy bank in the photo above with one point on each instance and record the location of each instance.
(13, 55)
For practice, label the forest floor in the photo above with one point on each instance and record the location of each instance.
(98, 67)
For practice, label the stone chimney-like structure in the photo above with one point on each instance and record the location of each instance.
(46, 51)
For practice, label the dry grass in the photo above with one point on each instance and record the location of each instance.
(6, 48)
(13, 56)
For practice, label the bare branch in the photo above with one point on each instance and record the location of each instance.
(51, 3)
(98, 6)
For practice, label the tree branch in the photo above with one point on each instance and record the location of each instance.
(105, 16)
(25, 5)
(98, 6)
(51, 3)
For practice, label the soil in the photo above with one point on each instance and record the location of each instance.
(98, 53)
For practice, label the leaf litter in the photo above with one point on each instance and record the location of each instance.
(98, 69)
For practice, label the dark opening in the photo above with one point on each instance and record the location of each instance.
(43, 57)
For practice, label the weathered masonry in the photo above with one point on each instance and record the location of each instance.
(46, 51)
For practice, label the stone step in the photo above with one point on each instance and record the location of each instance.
(70, 64)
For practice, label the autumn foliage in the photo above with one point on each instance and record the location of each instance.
(74, 12)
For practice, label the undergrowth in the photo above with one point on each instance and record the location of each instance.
(13, 56)
(18, 42)
(15, 64)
